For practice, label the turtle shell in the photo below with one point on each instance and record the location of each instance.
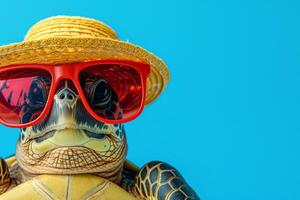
(65, 187)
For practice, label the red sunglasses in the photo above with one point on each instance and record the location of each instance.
(28, 87)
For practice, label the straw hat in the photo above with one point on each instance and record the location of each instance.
(65, 39)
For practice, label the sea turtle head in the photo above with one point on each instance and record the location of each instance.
(69, 140)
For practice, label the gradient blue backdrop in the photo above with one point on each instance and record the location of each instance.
(229, 119)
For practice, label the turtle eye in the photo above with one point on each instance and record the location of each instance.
(100, 94)
(36, 99)
(38, 91)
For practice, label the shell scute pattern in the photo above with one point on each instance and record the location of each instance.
(160, 181)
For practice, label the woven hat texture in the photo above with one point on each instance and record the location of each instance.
(71, 39)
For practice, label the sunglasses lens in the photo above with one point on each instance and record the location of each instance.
(23, 94)
(112, 91)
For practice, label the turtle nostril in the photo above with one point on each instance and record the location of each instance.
(66, 92)
(62, 96)
(70, 97)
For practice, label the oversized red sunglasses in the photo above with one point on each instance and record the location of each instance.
(27, 90)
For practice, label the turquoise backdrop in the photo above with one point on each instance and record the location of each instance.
(229, 119)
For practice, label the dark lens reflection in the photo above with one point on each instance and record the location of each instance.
(112, 91)
(23, 94)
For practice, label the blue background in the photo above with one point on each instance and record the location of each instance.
(229, 119)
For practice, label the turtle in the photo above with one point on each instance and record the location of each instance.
(70, 155)
(67, 152)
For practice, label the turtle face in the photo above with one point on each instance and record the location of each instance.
(71, 141)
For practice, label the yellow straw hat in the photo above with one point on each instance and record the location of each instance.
(65, 39)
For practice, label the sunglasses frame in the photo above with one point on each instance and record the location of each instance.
(71, 72)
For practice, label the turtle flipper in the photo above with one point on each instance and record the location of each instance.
(4, 176)
(160, 181)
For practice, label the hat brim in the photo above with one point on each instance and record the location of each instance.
(59, 50)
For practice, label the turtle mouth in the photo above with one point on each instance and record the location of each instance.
(88, 131)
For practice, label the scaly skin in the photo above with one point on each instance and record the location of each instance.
(160, 181)
(70, 141)
(4, 176)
